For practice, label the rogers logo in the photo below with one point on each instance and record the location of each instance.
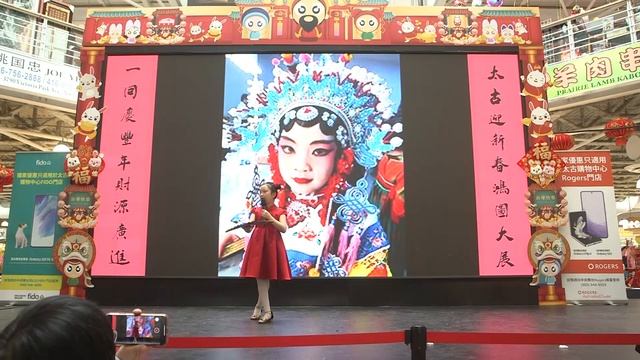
(593, 266)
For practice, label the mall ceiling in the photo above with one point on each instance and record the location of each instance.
(25, 127)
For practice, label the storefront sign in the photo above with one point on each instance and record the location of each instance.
(22, 72)
(595, 272)
(496, 113)
(126, 138)
(595, 72)
(29, 273)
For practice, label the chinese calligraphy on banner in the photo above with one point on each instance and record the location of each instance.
(126, 137)
(498, 142)
(595, 272)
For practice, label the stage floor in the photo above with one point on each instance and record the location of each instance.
(233, 321)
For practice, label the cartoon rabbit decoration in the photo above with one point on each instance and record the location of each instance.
(215, 29)
(132, 31)
(115, 33)
(490, 31)
(196, 32)
(507, 33)
(539, 124)
(536, 82)
(88, 124)
(101, 30)
(88, 88)
(520, 28)
(72, 162)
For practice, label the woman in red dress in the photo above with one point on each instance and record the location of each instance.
(265, 257)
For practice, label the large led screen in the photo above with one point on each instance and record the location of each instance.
(391, 165)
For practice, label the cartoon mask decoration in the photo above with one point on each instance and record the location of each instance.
(548, 253)
(309, 14)
(74, 254)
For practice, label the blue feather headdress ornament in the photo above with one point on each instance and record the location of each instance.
(351, 99)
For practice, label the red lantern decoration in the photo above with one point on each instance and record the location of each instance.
(619, 129)
(6, 176)
(562, 142)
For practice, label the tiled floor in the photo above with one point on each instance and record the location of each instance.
(233, 321)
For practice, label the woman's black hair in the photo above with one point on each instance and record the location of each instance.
(59, 327)
(272, 187)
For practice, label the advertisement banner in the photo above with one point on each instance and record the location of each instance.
(496, 114)
(23, 72)
(599, 71)
(29, 273)
(595, 272)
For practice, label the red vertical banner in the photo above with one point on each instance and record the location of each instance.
(500, 186)
(126, 139)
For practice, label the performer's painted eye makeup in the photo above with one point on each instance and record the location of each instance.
(320, 152)
(287, 149)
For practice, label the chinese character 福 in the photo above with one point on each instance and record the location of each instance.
(541, 151)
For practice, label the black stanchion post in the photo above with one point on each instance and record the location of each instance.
(416, 338)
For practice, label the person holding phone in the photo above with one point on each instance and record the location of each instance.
(63, 327)
(265, 256)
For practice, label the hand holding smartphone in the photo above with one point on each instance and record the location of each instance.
(139, 329)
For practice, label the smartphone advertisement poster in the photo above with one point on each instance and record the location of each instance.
(29, 273)
(595, 273)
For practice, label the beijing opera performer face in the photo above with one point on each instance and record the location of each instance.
(306, 155)
(317, 143)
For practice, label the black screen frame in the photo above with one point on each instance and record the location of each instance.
(277, 49)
